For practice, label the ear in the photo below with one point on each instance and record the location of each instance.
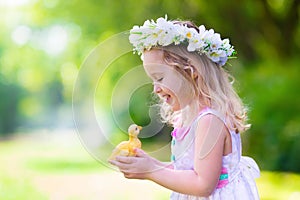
(190, 69)
(195, 75)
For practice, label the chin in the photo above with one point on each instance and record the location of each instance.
(175, 107)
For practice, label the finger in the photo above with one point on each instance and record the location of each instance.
(127, 175)
(124, 159)
(125, 168)
(140, 152)
(113, 162)
(122, 166)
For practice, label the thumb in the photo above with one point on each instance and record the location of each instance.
(139, 152)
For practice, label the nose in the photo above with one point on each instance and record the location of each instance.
(157, 89)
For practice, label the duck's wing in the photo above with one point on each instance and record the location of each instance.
(120, 150)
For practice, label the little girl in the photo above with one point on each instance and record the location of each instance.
(197, 99)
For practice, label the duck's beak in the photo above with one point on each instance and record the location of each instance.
(139, 127)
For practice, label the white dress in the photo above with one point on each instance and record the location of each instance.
(238, 172)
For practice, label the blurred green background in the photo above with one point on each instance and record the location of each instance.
(43, 44)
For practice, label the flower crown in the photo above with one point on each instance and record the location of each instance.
(164, 32)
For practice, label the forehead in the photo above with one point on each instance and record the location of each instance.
(153, 61)
(153, 56)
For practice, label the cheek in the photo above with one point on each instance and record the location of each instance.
(180, 87)
(185, 92)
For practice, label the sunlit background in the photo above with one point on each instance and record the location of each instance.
(43, 44)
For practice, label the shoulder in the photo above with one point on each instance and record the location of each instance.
(210, 136)
(209, 119)
(212, 125)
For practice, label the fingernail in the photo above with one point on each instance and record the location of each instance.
(111, 162)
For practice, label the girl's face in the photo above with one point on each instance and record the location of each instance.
(168, 83)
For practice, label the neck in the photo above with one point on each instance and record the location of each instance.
(189, 113)
(132, 137)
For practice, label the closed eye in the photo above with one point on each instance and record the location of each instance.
(159, 80)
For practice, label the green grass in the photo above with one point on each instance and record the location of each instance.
(16, 189)
(279, 185)
(42, 169)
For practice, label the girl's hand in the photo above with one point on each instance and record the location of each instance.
(139, 167)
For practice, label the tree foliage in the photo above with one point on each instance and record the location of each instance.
(44, 42)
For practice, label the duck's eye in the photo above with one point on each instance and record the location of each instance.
(136, 129)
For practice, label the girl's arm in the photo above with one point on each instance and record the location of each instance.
(201, 181)
(167, 165)
(158, 163)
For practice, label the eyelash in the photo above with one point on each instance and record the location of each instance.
(160, 79)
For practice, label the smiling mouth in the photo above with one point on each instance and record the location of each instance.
(166, 98)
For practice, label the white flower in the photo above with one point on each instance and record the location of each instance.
(151, 37)
(164, 32)
(202, 31)
(147, 23)
(205, 34)
(216, 54)
(230, 51)
(162, 23)
(193, 38)
(195, 43)
(180, 32)
(209, 34)
(227, 47)
(135, 35)
(226, 44)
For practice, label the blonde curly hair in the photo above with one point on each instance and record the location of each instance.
(212, 85)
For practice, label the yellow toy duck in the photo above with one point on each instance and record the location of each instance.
(126, 148)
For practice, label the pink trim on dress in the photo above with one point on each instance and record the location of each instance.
(180, 132)
(223, 181)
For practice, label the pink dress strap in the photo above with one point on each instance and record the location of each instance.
(180, 132)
